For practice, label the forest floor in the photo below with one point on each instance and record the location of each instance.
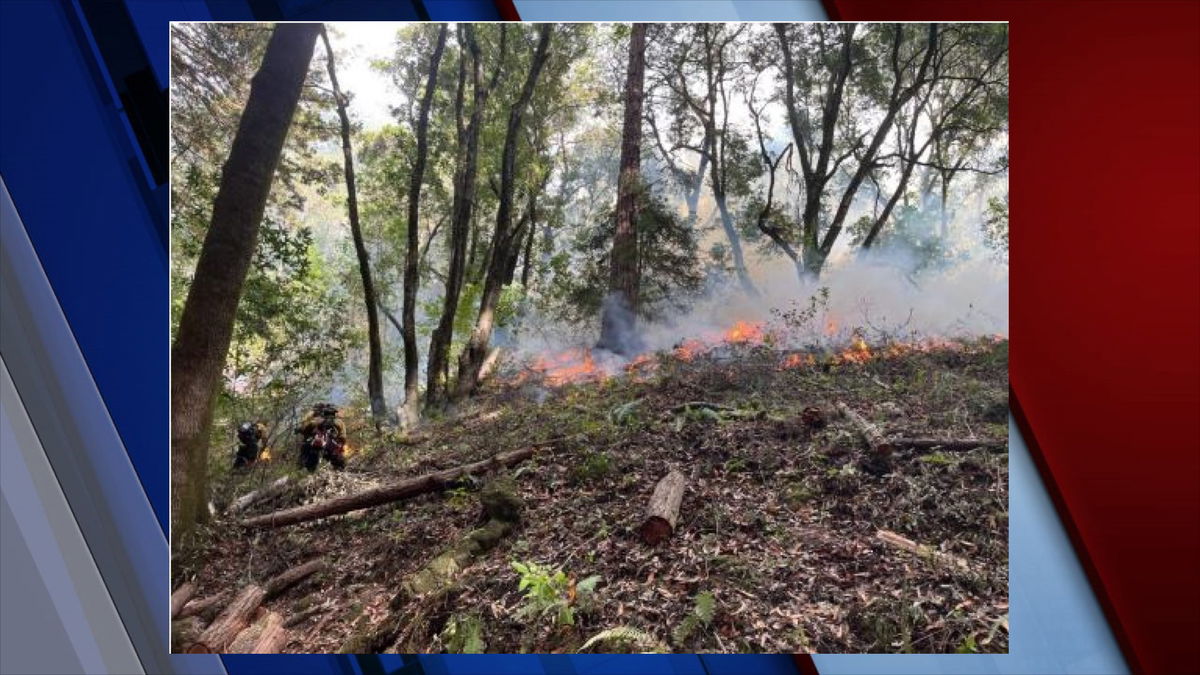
(776, 549)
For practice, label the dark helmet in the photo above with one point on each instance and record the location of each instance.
(327, 409)
(246, 428)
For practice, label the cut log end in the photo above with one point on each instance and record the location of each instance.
(655, 530)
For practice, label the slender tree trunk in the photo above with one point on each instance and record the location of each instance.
(506, 239)
(464, 199)
(379, 410)
(411, 279)
(735, 246)
(206, 324)
(528, 264)
(618, 322)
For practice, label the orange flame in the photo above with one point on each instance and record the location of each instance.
(857, 352)
(798, 361)
(347, 450)
(265, 456)
(573, 365)
(689, 349)
(745, 331)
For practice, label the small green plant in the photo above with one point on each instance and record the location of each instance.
(550, 592)
(458, 497)
(701, 615)
(938, 458)
(629, 636)
(464, 635)
(625, 413)
(596, 465)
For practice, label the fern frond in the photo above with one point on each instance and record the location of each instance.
(626, 634)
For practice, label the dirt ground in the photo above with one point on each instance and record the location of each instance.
(777, 546)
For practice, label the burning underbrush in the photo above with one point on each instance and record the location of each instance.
(793, 534)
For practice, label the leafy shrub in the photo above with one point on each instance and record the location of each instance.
(550, 592)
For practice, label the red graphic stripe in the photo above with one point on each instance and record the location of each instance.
(1105, 301)
(508, 11)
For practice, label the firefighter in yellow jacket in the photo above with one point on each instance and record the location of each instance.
(322, 433)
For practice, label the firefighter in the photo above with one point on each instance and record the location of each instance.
(322, 433)
(251, 436)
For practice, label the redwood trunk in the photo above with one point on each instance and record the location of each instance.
(663, 512)
(405, 489)
(619, 318)
(206, 324)
(379, 410)
(411, 278)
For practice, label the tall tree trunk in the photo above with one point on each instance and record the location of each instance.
(618, 322)
(206, 324)
(379, 410)
(506, 239)
(411, 384)
(464, 199)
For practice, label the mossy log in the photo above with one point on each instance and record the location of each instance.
(405, 489)
(501, 512)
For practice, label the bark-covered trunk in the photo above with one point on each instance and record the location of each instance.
(206, 324)
(379, 410)
(463, 203)
(411, 279)
(506, 239)
(618, 322)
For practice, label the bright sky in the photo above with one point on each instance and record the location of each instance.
(358, 43)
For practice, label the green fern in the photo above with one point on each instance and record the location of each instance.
(464, 635)
(626, 635)
(701, 615)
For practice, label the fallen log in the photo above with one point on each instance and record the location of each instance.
(663, 511)
(180, 597)
(926, 552)
(405, 489)
(871, 433)
(273, 638)
(265, 636)
(231, 621)
(949, 444)
(184, 633)
(273, 489)
(286, 579)
(205, 608)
